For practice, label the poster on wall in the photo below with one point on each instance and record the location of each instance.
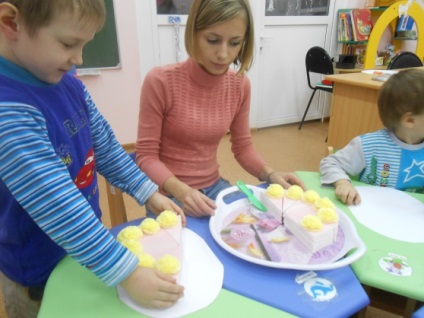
(173, 6)
(296, 7)
(272, 8)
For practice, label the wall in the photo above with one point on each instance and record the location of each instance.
(116, 92)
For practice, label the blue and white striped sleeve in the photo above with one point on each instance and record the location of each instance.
(113, 162)
(40, 182)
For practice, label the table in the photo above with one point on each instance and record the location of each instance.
(247, 287)
(419, 313)
(338, 70)
(278, 288)
(73, 291)
(366, 268)
(354, 108)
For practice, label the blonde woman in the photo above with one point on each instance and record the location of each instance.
(186, 109)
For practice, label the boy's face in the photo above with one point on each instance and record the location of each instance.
(54, 49)
(419, 128)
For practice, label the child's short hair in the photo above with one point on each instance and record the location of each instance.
(206, 13)
(401, 93)
(39, 13)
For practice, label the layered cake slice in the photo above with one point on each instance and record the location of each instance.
(272, 198)
(156, 242)
(165, 240)
(305, 223)
(311, 219)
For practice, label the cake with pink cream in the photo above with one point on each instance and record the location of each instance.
(311, 219)
(156, 242)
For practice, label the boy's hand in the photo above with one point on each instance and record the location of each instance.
(152, 289)
(346, 192)
(159, 203)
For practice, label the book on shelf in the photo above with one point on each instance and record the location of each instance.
(361, 24)
(404, 28)
(405, 23)
(354, 25)
(343, 27)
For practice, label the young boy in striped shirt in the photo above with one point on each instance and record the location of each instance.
(390, 157)
(53, 141)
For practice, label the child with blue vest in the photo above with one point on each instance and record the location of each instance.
(53, 141)
(390, 157)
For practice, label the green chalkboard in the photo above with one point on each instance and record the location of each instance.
(103, 50)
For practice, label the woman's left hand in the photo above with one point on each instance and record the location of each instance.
(286, 179)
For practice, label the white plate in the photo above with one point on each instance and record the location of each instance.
(352, 242)
(390, 212)
(202, 275)
(379, 72)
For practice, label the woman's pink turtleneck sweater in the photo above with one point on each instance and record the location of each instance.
(184, 113)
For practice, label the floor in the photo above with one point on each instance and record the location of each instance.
(285, 148)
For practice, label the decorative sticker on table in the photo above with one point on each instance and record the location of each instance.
(266, 238)
(320, 289)
(395, 265)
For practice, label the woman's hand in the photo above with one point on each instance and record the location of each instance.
(346, 192)
(158, 203)
(193, 202)
(286, 179)
(152, 289)
(196, 203)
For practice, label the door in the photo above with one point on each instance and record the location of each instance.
(285, 30)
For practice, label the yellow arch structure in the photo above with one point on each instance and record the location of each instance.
(391, 13)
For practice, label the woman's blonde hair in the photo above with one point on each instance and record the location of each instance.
(39, 13)
(206, 13)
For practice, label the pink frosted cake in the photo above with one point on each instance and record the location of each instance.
(311, 219)
(156, 242)
(272, 198)
(307, 225)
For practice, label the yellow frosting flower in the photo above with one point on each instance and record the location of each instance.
(324, 203)
(311, 223)
(167, 219)
(328, 215)
(295, 192)
(131, 232)
(168, 264)
(275, 191)
(134, 246)
(149, 226)
(146, 260)
(310, 196)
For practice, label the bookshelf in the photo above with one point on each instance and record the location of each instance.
(382, 18)
(389, 18)
(354, 36)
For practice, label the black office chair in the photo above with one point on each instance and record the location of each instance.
(317, 61)
(404, 60)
